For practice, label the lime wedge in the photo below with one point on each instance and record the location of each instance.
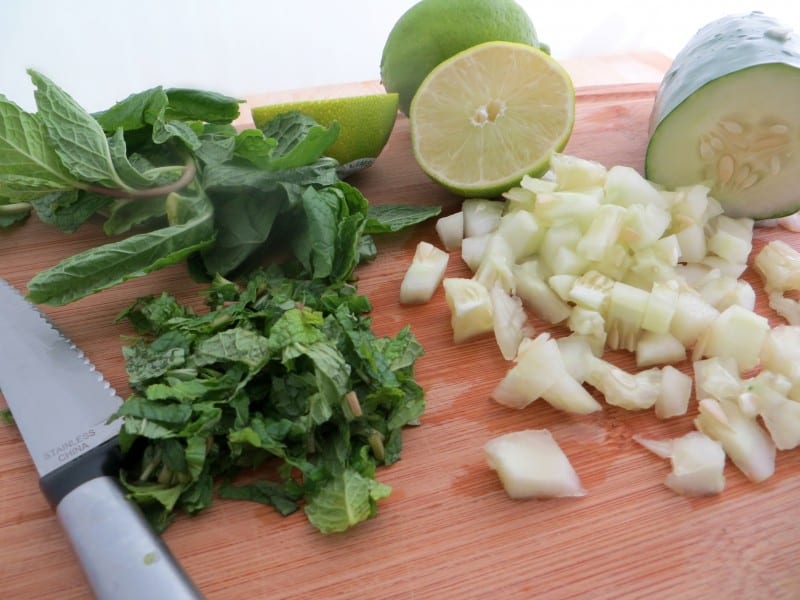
(365, 122)
(489, 115)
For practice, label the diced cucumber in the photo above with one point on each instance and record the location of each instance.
(573, 207)
(736, 333)
(602, 232)
(538, 366)
(692, 242)
(625, 186)
(470, 308)
(573, 173)
(592, 290)
(749, 447)
(658, 349)
(481, 215)
(731, 239)
(451, 230)
(522, 232)
(424, 274)
(661, 306)
(693, 315)
(727, 114)
(531, 464)
(495, 265)
(780, 414)
(645, 224)
(510, 319)
(626, 310)
(698, 465)
(537, 294)
(570, 396)
(590, 324)
(676, 390)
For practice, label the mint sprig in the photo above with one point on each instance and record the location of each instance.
(168, 165)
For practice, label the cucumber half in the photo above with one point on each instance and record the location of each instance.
(727, 114)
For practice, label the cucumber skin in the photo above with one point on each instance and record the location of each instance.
(720, 48)
(730, 45)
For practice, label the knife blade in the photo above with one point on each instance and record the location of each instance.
(61, 405)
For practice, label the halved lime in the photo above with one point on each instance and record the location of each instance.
(365, 121)
(489, 115)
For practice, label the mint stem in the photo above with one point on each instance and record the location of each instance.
(15, 209)
(186, 177)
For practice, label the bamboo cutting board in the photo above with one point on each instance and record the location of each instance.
(448, 530)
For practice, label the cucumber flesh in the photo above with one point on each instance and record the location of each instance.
(727, 115)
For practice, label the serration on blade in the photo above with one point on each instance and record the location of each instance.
(60, 402)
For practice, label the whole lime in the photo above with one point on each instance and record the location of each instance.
(432, 31)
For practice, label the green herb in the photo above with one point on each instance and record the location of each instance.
(283, 375)
(6, 417)
(169, 166)
(391, 218)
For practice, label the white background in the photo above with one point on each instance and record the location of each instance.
(101, 50)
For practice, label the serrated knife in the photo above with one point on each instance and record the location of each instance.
(61, 405)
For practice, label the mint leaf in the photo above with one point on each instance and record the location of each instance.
(154, 430)
(328, 243)
(344, 501)
(134, 112)
(76, 137)
(164, 131)
(317, 139)
(217, 144)
(288, 130)
(20, 188)
(166, 496)
(315, 244)
(26, 156)
(388, 218)
(172, 414)
(126, 170)
(102, 267)
(234, 345)
(231, 176)
(294, 330)
(69, 210)
(266, 492)
(350, 232)
(123, 215)
(252, 145)
(197, 105)
(240, 232)
(144, 363)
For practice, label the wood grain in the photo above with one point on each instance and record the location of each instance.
(448, 530)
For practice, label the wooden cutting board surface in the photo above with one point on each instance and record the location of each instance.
(448, 530)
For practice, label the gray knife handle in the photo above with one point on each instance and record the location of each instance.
(121, 555)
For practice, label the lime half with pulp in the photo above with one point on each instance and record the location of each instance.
(489, 115)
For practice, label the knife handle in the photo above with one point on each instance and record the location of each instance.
(121, 555)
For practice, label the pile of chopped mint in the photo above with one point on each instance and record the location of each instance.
(283, 375)
(172, 179)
